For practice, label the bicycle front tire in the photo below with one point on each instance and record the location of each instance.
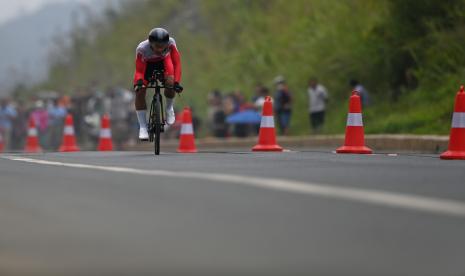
(157, 125)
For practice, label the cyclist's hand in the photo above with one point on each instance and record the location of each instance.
(139, 85)
(178, 88)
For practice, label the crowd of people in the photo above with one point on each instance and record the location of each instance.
(223, 110)
(228, 114)
(87, 106)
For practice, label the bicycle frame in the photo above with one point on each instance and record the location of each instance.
(157, 116)
(157, 86)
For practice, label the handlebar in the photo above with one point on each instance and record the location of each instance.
(158, 76)
(154, 86)
(177, 89)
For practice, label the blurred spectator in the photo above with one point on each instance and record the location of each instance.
(318, 98)
(362, 92)
(96, 106)
(242, 128)
(65, 102)
(121, 102)
(241, 102)
(19, 129)
(57, 113)
(7, 115)
(100, 102)
(283, 105)
(77, 108)
(41, 120)
(216, 115)
(229, 104)
(261, 92)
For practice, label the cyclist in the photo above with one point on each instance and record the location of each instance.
(157, 52)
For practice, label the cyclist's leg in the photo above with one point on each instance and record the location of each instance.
(169, 76)
(141, 111)
(141, 105)
(140, 102)
(169, 91)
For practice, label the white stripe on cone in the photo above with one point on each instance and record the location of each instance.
(354, 119)
(458, 120)
(32, 132)
(267, 121)
(187, 129)
(105, 133)
(69, 130)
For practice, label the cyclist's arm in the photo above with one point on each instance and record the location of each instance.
(140, 69)
(176, 58)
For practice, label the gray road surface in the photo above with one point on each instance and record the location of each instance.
(103, 218)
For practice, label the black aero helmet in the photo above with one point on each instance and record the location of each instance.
(159, 35)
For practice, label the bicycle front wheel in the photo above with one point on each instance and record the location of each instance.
(157, 125)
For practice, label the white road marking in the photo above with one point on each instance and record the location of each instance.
(381, 198)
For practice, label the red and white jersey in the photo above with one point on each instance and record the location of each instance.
(145, 52)
(170, 57)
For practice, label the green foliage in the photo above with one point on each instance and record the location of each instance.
(408, 53)
(412, 35)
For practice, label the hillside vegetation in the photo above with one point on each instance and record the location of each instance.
(409, 54)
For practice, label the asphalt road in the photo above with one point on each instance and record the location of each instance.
(231, 213)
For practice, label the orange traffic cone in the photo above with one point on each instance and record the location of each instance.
(355, 137)
(32, 142)
(105, 143)
(267, 135)
(457, 132)
(2, 145)
(69, 139)
(186, 139)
